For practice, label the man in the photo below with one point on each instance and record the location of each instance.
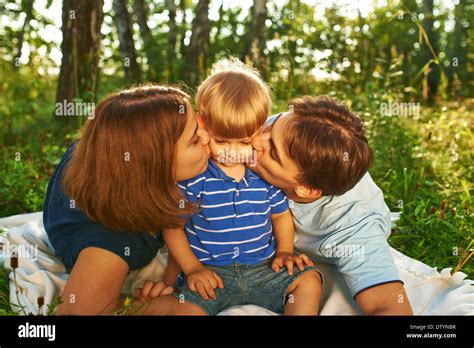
(318, 154)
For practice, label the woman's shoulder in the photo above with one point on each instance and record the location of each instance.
(70, 230)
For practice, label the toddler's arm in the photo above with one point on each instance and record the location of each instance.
(284, 232)
(199, 277)
(172, 271)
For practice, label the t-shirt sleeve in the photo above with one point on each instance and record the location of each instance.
(191, 189)
(362, 255)
(136, 249)
(278, 200)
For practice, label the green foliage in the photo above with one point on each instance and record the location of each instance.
(5, 308)
(423, 163)
(424, 166)
(31, 143)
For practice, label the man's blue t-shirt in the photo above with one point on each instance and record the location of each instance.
(349, 231)
(70, 230)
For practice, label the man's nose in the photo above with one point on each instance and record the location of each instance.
(261, 142)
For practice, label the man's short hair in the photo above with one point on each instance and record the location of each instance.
(327, 142)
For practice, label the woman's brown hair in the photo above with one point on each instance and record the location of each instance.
(121, 170)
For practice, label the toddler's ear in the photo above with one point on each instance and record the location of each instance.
(200, 121)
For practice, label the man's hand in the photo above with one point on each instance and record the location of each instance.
(151, 290)
(204, 281)
(288, 259)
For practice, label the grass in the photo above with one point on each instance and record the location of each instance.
(423, 164)
(4, 293)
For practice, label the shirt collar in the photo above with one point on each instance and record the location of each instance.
(217, 172)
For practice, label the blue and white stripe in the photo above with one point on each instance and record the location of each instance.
(234, 222)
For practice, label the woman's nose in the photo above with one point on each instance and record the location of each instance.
(204, 136)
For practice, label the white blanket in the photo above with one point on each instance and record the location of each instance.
(430, 292)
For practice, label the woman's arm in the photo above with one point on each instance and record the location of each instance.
(94, 285)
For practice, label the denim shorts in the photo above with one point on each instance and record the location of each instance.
(246, 284)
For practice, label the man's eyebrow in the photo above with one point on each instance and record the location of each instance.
(272, 143)
(276, 154)
(194, 133)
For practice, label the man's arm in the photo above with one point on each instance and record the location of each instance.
(384, 299)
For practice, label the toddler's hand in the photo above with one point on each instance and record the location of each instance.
(151, 290)
(204, 281)
(287, 259)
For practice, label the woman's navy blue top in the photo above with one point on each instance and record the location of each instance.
(70, 230)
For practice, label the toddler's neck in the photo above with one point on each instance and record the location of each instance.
(237, 171)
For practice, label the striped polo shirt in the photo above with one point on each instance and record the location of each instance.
(234, 222)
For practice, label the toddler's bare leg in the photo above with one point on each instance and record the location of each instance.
(304, 295)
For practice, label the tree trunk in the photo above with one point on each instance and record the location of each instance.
(197, 55)
(183, 28)
(81, 22)
(29, 15)
(150, 48)
(458, 75)
(126, 44)
(256, 36)
(221, 21)
(433, 71)
(171, 51)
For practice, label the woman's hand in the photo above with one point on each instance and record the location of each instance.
(288, 259)
(151, 290)
(204, 281)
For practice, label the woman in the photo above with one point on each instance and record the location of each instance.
(114, 190)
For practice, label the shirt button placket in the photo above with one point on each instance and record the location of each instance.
(236, 197)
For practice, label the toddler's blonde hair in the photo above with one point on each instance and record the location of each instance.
(234, 102)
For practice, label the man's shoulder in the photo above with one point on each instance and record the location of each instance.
(272, 118)
(365, 189)
(364, 202)
(365, 193)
